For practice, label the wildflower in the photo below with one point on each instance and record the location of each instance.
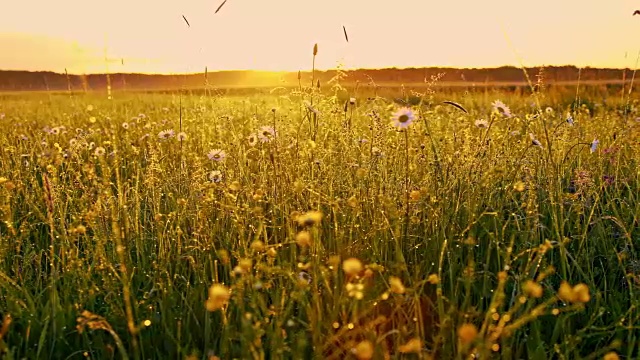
(576, 294)
(519, 186)
(303, 239)
(467, 333)
(55, 131)
(403, 118)
(309, 218)
(182, 136)
(218, 297)
(501, 108)
(594, 145)
(355, 290)
(433, 279)
(396, 285)
(352, 266)
(257, 246)
(252, 140)
(125, 125)
(412, 346)
(352, 101)
(266, 134)
(215, 176)
(89, 107)
(166, 134)
(99, 151)
(533, 289)
(482, 123)
(364, 350)
(611, 356)
(216, 155)
(534, 141)
(549, 110)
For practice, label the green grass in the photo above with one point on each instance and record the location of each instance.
(112, 255)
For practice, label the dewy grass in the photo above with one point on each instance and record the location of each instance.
(443, 239)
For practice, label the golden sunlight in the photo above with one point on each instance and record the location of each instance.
(152, 36)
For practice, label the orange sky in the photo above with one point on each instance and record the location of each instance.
(151, 35)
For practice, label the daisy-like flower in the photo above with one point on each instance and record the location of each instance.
(482, 123)
(125, 126)
(216, 155)
(252, 140)
(215, 176)
(534, 141)
(403, 118)
(594, 145)
(99, 151)
(182, 136)
(502, 108)
(166, 134)
(266, 134)
(352, 101)
(549, 110)
(55, 131)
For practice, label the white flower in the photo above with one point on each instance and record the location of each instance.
(352, 101)
(166, 134)
(403, 118)
(216, 155)
(501, 108)
(99, 151)
(125, 126)
(266, 134)
(482, 123)
(182, 136)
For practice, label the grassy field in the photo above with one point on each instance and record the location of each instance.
(297, 224)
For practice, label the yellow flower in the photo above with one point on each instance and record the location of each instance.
(412, 346)
(433, 279)
(303, 239)
(611, 356)
(565, 292)
(581, 293)
(533, 289)
(364, 350)
(396, 285)
(467, 333)
(352, 266)
(218, 297)
(310, 218)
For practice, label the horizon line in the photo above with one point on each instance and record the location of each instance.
(319, 70)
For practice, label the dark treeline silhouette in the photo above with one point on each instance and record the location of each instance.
(38, 81)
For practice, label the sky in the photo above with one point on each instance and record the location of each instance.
(150, 36)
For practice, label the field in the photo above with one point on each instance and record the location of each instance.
(333, 224)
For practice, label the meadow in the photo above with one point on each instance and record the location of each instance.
(333, 223)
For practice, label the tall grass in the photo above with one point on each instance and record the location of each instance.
(444, 241)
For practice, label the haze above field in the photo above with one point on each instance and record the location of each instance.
(152, 37)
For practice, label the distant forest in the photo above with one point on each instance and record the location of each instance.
(39, 81)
